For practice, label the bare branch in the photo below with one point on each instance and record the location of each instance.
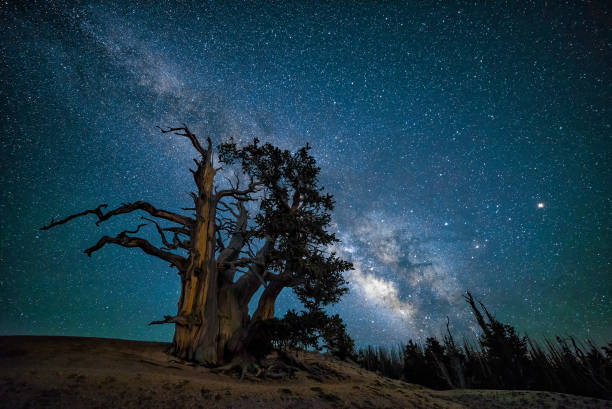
(178, 230)
(250, 251)
(228, 208)
(126, 208)
(251, 280)
(133, 231)
(97, 211)
(241, 195)
(239, 235)
(194, 140)
(122, 239)
(219, 240)
(147, 207)
(176, 243)
(229, 182)
(178, 320)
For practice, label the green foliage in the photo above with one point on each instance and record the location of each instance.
(500, 360)
(386, 361)
(337, 341)
(293, 218)
(312, 329)
(296, 212)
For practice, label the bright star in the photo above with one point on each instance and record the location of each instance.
(541, 205)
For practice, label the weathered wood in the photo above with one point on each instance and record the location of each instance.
(200, 293)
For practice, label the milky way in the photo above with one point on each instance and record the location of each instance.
(467, 147)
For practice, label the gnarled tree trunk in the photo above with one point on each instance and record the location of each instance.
(212, 310)
(198, 338)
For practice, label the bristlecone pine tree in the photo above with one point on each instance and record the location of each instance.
(224, 254)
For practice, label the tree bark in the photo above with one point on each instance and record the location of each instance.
(199, 296)
(265, 307)
(212, 317)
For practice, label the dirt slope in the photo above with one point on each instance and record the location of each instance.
(69, 372)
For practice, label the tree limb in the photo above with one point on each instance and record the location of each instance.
(178, 320)
(254, 271)
(239, 237)
(194, 141)
(220, 244)
(248, 284)
(176, 243)
(122, 239)
(126, 208)
(239, 194)
(178, 230)
(97, 211)
(162, 235)
(147, 207)
(228, 208)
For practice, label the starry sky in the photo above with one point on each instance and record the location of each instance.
(467, 145)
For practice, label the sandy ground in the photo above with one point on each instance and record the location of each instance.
(70, 372)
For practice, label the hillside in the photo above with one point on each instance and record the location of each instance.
(70, 372)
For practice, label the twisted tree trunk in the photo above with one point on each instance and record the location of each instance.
(265, 307)
(198, 304)
(212, 309)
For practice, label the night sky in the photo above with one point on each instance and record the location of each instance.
(467, 145)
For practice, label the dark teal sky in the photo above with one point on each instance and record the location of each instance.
(439, 128)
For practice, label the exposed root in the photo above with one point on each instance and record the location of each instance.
(242, 366)
(250, 370)
(283, 366)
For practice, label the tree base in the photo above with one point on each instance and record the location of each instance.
(279, 365)
(257, 370)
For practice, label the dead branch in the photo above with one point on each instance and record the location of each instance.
(228, 208)
(122, 239)
(220, 244)
(147, 207)
(241, 195)
(178, 230)
(126, 208)
(254, 276)
(239, 235)
(178, 319)
(161, 234)
(97, 211)
(194, 140)
(176, 243)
